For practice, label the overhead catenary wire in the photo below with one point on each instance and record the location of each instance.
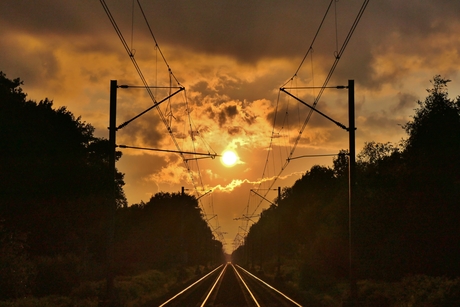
(312, 42)
(200, 178)
(269, 151)
(131, 52)
(310, 49)
(331, 71)
(171, 74)
(323, 87)
(139, 71)
(156, 43)
(336, 29)
(136, 65)
(127, 48)
(132, 26)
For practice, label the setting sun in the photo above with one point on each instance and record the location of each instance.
(229, 158)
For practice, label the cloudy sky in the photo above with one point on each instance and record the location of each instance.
(231, 57)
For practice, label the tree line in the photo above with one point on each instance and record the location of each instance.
(55, 189)
(404, 218)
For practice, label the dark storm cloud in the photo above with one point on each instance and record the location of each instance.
(252, 30)
(415, 17)
(222, 119)
(228, 112)
(403, 29)
(147, 130)
(248, 31)
(405, 101)
(231, 111)
(203, 88)
(142, 165)
(210, 112)
(382, 124)
(295, 110)
(32, 66)
(234, 130)
(248, 117)
(260, 87)
(51, 16)
(226, 85)
(357, 64)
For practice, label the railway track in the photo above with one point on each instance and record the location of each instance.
(229, 286)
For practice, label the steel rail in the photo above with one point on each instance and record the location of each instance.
(269, 286)
(189, 287)
(246, 286)
(213, 286)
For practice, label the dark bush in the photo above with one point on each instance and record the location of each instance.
(57, 275)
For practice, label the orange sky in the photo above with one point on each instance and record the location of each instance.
(231, 57)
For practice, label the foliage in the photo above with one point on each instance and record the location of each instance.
(57, 275)
(54, 175)
(137, 290)
(417, 290)
(165, 232)
(16, 271)
(51, 301)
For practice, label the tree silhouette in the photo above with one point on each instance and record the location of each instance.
(167, 231)
(53, 175)
(432, 181)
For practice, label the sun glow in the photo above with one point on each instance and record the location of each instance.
(229, 158)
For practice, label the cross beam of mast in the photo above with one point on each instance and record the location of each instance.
(155, 105)
(314, 109)
(169, 150)
(263, 197)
